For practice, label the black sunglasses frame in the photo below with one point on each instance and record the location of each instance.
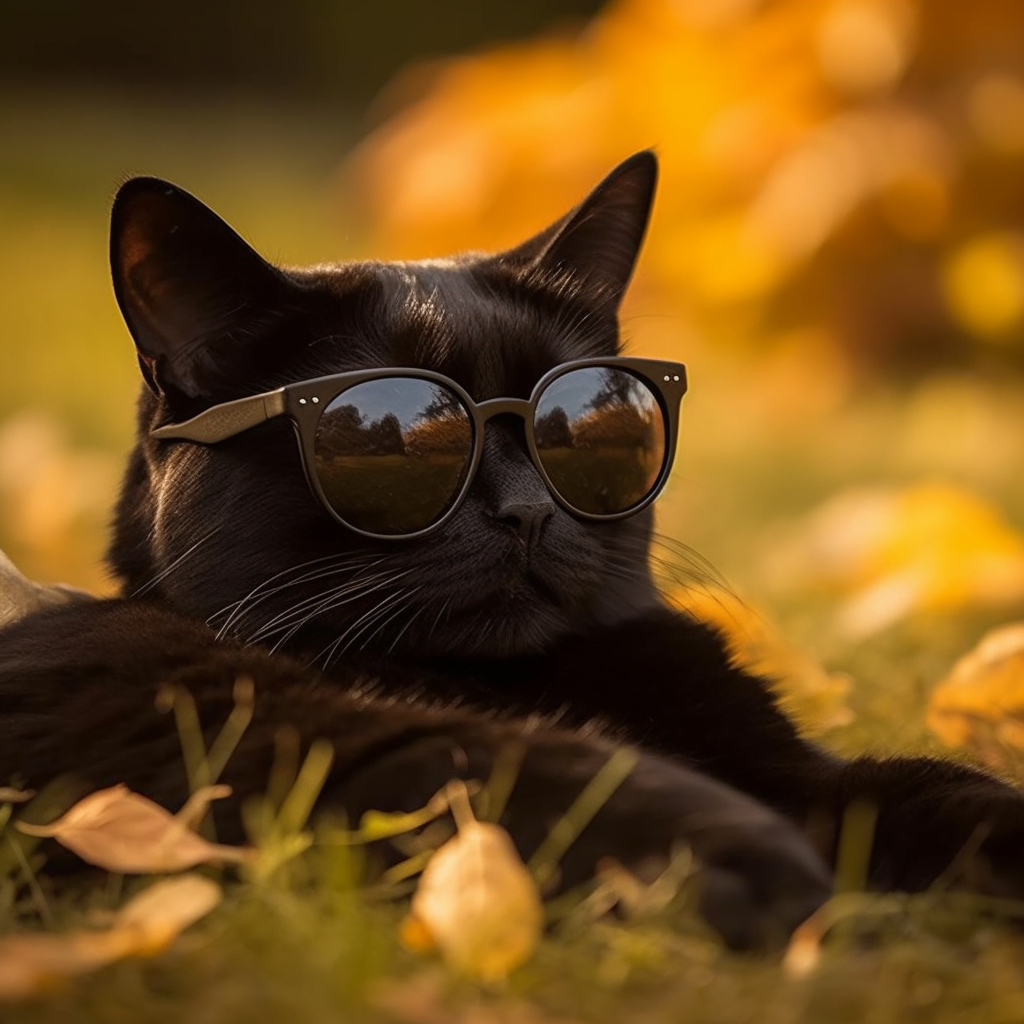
(304, 403)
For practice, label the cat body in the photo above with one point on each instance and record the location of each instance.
(513, 624)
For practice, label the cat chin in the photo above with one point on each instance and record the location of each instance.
(494, 630)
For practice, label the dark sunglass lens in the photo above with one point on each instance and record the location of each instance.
(392, 453)
(600, 436)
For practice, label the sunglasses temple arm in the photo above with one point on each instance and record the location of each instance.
(227, 419)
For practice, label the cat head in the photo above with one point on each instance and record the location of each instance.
(231, 533)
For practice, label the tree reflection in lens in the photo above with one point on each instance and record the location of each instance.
(391, 453)
(600, 435)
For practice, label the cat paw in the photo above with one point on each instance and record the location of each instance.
(755, 889)
(991, 862)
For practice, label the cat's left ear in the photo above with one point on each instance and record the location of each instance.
(598, 242)
(194, 295)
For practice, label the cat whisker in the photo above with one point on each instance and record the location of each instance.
(445, 607)
(235, 607)
(301, 611)
(695, 563)
(374, 617)
(381, 625)
(405, 628)
(239, 610)
(265, 588)
(353, 630)
(168, 569)
(670, 574)
(359, 580)
(305, 611)
(330, 602)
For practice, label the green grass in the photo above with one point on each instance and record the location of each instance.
(315, 949)
(311, 945)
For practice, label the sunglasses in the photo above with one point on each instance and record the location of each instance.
(391, 453)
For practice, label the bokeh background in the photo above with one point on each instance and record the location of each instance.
(837, 252)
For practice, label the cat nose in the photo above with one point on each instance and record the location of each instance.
(526, 519)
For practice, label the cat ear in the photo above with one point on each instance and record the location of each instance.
(191, 290)
(598, 242)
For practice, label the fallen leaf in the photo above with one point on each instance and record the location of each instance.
(477, 902)
(890, 554)
(158, 914)
(31, 964)
(15, 796)
(416, 936)
(119, 830)
(804, 950)
(980, 704)
(147, 924)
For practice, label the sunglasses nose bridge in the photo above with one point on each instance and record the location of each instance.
(504, 407)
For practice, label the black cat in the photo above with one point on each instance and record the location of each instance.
(441, 569)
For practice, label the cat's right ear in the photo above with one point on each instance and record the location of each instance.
(190, 289)
(596, 245)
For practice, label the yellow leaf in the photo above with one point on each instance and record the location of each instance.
(31, 964)
(119, 830)
(162, 911)
(804, 950)
(894, 553)
(980, 704)
(416, 936)
(477, 902)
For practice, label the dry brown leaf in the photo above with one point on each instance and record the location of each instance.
(158, 914)
(477, 902)
(815, 696)
(804, 950)
(9, 795)
(32, 964)
(980, 704)
(119, 830)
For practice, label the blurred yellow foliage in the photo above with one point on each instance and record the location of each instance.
(814, 696)
(890, 553)
(985, 284)
(823, 161)
(55, 500)
(980, 705)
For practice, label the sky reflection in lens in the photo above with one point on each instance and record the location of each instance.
(600, 435)
(391, 453)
